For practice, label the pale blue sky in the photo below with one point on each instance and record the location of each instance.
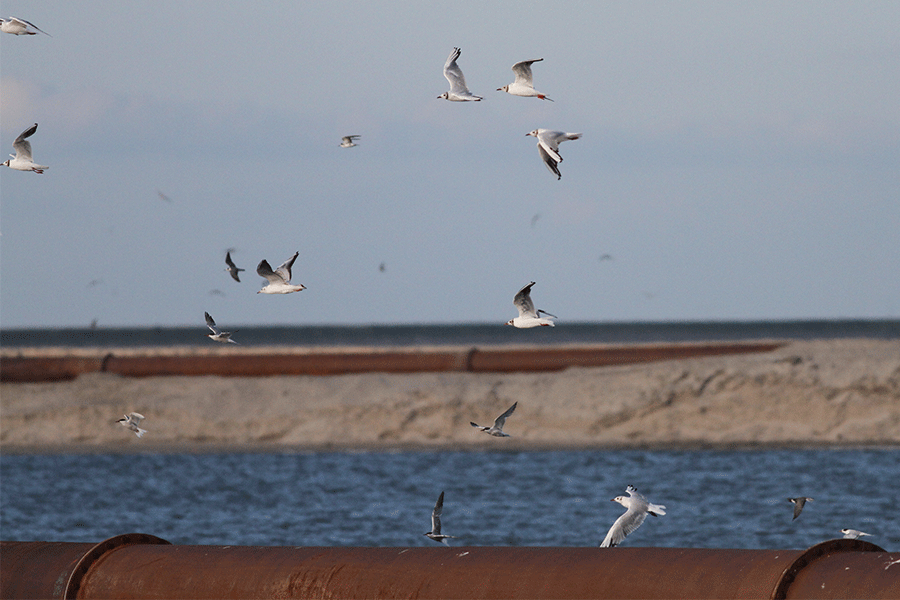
(739, 161)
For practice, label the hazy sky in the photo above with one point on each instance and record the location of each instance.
(739, 161)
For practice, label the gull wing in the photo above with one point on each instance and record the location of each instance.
(454, 74)
(549, 141)
(523, 71)
(284, 269)
(23, 22)
(523, 302)
(436, 515)
(623, 526)
(228, 260)
(500, 421)
(22, 146)
(264, 270)
(211, 324)
(549, 161)
(136, 418)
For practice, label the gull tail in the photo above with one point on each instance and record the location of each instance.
(140, 432)
(657, 510)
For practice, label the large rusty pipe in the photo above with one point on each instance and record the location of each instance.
(127, 567)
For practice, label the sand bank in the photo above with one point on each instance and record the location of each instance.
(837, 392)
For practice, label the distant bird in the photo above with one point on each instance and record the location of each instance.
(799, 503)
(605, 257)
(459, 92)
(232, 268)
(216, 292)
(496, 429)
(382, 268)
(534, 219)
(638, 509)
(435, 532)
(21, 160)
(17, 26)
(131, 422)
(280, 278)
(216, 335)
(523, 85)
(528, 317)
(853, 534)
(348, 141)
(163, 197)
(548, 147)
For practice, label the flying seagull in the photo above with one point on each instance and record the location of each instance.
(21, 160)
(638, 509)
(799, 503)
(131, 422)
(496, 429)
(280, 278)
(216, 335)
(853, 534)
(17, 26)
(435, 532)
(523, 85)
(232, 269)
(528, 317)
(458, 90)
(548, 147)
(348, 141)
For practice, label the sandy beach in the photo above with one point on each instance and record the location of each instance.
(829, 392)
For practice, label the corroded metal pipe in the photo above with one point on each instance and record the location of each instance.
(124, 567)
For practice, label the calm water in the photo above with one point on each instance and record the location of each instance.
(725, 499)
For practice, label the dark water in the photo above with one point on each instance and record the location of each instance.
(471, 334)
(717, 499)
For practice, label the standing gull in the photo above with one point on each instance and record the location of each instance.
(131, 422)
(799, 503)
(21, 160)
(17, 26)
(280, 278)
(496, 429)
(548, 147)
(528, 317)
(459, 92)
(523, 85)
(435, 532)
(853, 534)
(216, 335)
(232, 268)
(638, 509)
(348, 141)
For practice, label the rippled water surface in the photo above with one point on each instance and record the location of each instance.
(716, 499)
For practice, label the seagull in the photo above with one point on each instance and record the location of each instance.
(21, 160)
(523, 85)
(348, 141)
(496, 429)
(435, 532)
(458, 90)
(548, 147)
(638, 509)
(853, 534)
(17, 26)
(528, 317)
(799, 503)
(280, 278)
(131, 422)
(216, 335)
(232, 268)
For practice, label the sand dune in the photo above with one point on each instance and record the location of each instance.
(841, 392)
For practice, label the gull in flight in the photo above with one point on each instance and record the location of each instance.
(496, 429)
(21, 160)
(528, 317)
(523, 85)
(348, 141)
(280, 278)
(131, 422)
(853, 534)
(232, 268)
(216, 335)
(435, 532)
(799, 503)
(458, 90)
(548, 147)
(638, 509)
(17, 26)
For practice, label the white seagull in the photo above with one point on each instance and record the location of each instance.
(496, 429)
(435, 532)
(528, 317)
(523, 85)
(216, 335)
(280, 278)
(232, 268)
(348, 141)
(17, 26)
(458, 90)
(638, 509)
(799, 503)
(853, 534)
(548, 147)
(131, 422)
(21, 160)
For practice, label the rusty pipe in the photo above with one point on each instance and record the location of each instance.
(141, 566)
